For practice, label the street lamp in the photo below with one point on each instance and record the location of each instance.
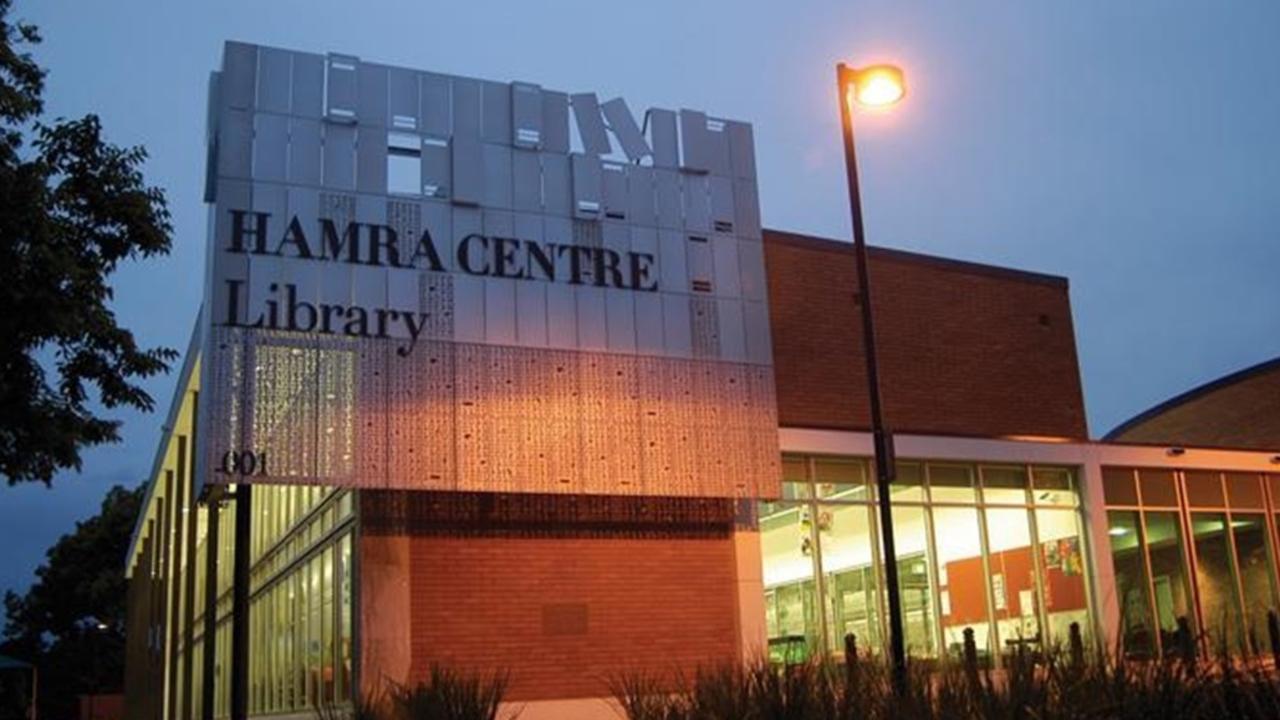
(876, 86)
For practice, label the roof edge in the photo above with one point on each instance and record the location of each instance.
(822, 244)
(1192, 394)
(175, 406)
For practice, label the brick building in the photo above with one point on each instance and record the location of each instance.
(1240, 410)
(708, 497)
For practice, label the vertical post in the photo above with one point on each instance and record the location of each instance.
(240, 604)
(970, 655)
(1077, 644)
(189, 593)
(851, 675)
(1273, 631)
(883, 441)
(209, 658)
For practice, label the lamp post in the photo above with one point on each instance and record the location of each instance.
(874, 86)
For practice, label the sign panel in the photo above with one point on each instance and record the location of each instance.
(426, 281)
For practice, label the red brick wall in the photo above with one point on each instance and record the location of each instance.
(562, 614)
(1237, 411)
(567, 595)
(964, 349)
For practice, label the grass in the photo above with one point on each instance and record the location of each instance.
(1052, 687)
(1031, 686)
(444, 695)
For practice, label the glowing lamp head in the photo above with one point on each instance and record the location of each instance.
(878, 86)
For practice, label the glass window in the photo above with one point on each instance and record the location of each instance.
(1132, 589)
(315, 633)
(344, 620)
(1053, 486)
(1216, 581)
(962, 585)
(915, 589)
(1013, 579)
(1204, 489)
(1244, 491)
(951, 483)
(824, 565)
(845, 539)
(908, 486)
(787, 549)
(1004, 484)
(796, 491)
(841, 479)
(1118, 487)
(1062, 573)
(1169, 579)
(1158, 488)
(404, 164)
(300, 644)
(1257, 575)
(327, 615)
(795, 469)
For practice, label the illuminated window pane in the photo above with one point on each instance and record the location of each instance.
(1257, 575)
(911, 542)
(1004, 484)
(1053, 486)
(315, 633)
(841, 479)
(1170, 581)
(908, 486)
(344, 619)
(1013, 581)
(1063, 573)
(787, 550)
(1131, 583)
(328, 671)
(962, 585)
(845, 540)
(951, 483)
(1216, 581)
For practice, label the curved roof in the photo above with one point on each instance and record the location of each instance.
(1240, 410)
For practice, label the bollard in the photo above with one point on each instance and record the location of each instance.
(1185, 640)
(1273, 629)
(851, 658)
(1077, 644)
(970, 655)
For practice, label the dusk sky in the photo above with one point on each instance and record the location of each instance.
(1133, 147)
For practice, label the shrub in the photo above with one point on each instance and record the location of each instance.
(1031, 686)
(445, 695)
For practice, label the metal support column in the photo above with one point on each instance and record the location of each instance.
(240, 605)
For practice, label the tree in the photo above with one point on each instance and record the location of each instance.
(71, 622)
(72, 208)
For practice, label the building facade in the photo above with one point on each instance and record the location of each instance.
(667, 470)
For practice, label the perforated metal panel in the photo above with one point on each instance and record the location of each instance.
(624, 350)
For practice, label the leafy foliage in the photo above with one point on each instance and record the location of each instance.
(72, 208)
(445, 694)
(71, 622)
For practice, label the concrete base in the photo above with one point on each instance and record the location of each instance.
(573, 709)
